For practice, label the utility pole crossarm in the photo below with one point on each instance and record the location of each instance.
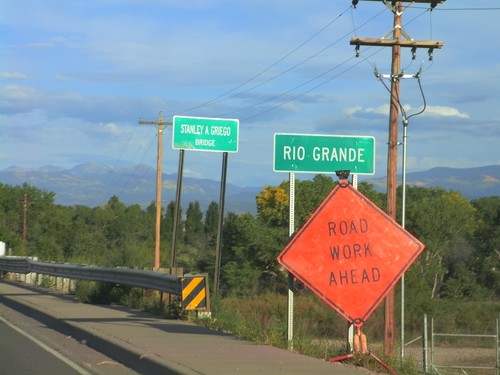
(395, 42)
(398, 31)
(158, 123)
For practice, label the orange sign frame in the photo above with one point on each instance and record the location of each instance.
(350, 253)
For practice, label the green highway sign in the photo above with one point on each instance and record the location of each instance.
(205, 134)
(324, 153)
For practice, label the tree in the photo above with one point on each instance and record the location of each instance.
(192, 255)
(88, 247)
(167, 223)
(273, 202)
(250, 249)
(441, 220)
(368, 190)
(272, 205)
(309, 196)
(211, 223)
(486, 259)
(194, 227)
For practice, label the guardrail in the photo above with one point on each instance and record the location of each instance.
(172, 284)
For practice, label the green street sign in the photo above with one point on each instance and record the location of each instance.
(205, 134)
(310, 153)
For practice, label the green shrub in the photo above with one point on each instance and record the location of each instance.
(98, 292)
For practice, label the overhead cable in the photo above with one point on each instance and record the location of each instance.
(216, 99)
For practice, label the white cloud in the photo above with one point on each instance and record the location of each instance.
(38, 45)
(112, 128)
(430, 111)
(18, 93)
(351, 111)
(380, 110)
(13, 75)
(291, 107)
(442, 111)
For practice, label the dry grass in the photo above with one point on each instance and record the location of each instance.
(456, 356)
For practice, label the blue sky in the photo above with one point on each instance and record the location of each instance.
(76, 77)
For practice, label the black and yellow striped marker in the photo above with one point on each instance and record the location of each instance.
(194, 292)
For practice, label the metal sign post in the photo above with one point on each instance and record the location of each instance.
(218, 246)
(291, 230)
(351, 254)
(177, 210)
(319, 154)
(215, 135)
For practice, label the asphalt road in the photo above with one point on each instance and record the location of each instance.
(21, 353)
(29, 346)
(116, 340)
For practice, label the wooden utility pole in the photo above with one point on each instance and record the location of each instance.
(392, 155)
(25, 204)
(160, 124)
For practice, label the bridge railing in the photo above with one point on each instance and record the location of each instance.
(163, 282)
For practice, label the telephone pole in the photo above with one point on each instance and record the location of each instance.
(160, 124)
(400, 38)
(25, 204)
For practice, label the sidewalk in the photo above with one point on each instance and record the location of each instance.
(152, 345)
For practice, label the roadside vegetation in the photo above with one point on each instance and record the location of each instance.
(456, 280)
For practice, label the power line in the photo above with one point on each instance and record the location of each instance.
(292, 89)
(462, 9)
(224, 97)
(216, 99)
(115, 164)
(297, 87)
(299, 64)
(316, 77)
(312, 88)
(396, 98)
(125, 186)
(456, 9)
(310, 80)
(295, 66)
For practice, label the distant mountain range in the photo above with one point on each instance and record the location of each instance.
(472, 183)
(92, 184)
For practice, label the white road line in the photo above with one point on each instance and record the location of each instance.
(47, 348)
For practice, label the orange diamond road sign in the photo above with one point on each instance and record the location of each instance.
(350, 253)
